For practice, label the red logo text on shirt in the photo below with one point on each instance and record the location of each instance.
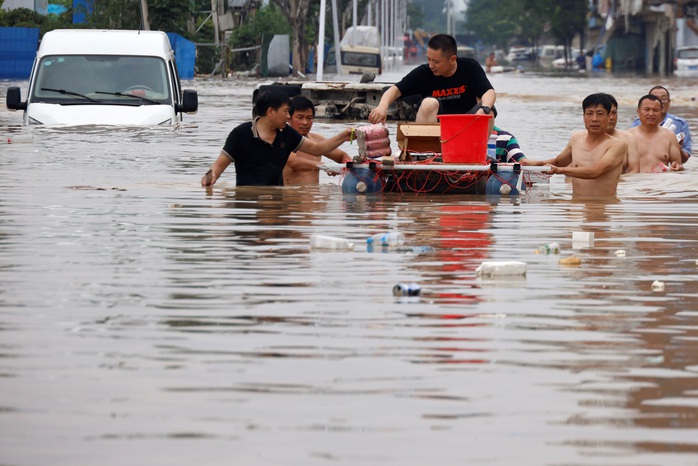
(448, 92)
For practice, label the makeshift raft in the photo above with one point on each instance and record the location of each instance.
(439, 178)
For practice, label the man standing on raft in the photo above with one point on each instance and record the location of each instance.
(447, 84)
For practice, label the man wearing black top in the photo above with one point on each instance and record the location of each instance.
(448, 85)
(260, 148)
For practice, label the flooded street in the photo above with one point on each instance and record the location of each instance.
(147, 320)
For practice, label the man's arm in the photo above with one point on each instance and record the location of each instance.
(633, 154)
(487, 99)
(216, 170)
(380, 113)
(337, 155)
(675, 155)
(328, 145)
(300, 164)
(563, 159)
(611, 159)
(686, 144)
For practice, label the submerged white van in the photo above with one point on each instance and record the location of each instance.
(110, 77)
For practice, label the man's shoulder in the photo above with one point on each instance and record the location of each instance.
(315, 137)
(676, 118)
(467, 60)
(578, 135)
(626, 135)
(242, 126)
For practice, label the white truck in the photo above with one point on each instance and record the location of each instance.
(360, 52)
(104, 77)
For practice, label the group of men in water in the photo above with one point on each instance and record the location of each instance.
(268, 151)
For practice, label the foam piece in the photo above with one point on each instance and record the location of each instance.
(582, 239)
(501, 268)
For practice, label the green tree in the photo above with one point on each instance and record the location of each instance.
(113, 14)
(24, 17)
(415, 15)
(259, 28)
(567, 19)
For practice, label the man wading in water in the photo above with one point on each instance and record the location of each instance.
(592, 158)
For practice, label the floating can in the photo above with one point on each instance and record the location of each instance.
(407, 289)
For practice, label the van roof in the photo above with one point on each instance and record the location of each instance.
(104, 42)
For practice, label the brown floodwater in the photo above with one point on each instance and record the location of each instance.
(147, 320)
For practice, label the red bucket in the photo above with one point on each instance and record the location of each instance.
(464, 138)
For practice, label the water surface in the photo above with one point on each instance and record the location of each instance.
(145, 319)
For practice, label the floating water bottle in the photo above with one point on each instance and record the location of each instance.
(20, 139)
(330, 242)
(391, 238)
(407, 289)
(550, 248)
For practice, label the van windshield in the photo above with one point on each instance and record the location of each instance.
(361, 59)
(100, 79)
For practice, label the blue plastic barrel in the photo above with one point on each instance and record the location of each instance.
(361, 181)
(499, 179)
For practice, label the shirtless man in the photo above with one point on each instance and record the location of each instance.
(659, 150)
(302, 168)
(631, 164)
(676, 123)
(592, 158)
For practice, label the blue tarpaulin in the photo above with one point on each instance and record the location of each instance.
(17, 52)
(185, 55)
(80, 10)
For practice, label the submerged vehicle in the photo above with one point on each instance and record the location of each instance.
(343, 100)
(104, 77)
(686, 61)
(360, 52)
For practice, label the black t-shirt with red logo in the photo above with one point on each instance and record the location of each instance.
(457, 94)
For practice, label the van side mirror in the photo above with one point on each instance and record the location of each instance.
(190, 102)
(14, 99)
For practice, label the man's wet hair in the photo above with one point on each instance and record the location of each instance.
(270, 99)
(300, 103)
(649, 97)
(662, 88)
(443, 42)
(597, 99)
(613, 100)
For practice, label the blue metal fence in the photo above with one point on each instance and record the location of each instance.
(17, 52)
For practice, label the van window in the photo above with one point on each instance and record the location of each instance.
(361, 59)
(99, 77)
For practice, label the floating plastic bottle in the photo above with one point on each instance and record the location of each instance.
(391, 238)
(330, 242)
(407, 289)
(550, 248)
(20, 139)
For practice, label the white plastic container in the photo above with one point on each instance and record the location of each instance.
(330, 242)
(582, 239)
(501, 269)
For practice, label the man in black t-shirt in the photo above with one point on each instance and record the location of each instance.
(260, 148)
(447, 84)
